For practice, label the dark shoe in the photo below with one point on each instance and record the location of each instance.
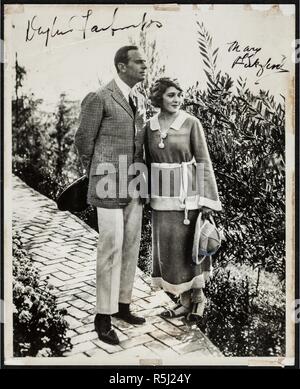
(125, 314)
(109, 337)
(130, 318)
(104, 330)
(191, 318)
(177, 311)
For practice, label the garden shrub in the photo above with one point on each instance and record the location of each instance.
(145, 255)
(39, 327)
(241, 320)
(246, 138)
(43, 143)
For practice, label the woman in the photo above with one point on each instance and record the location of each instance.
(182, 184)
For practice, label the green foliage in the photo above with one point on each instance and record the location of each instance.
(209, 56)
(89, 216)
(145, 254)
(43, 143)
(62, 136)
(154, 68)
(39, 327)
(242, 321)
(245, 136)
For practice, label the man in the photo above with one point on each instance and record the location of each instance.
(108, 127)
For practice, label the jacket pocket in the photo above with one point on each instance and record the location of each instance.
(103, 186)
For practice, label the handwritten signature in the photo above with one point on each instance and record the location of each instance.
(34, 29)
(248, 58)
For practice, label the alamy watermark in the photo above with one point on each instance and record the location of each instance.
(167, 180)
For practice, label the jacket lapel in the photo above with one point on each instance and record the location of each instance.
(117, 95)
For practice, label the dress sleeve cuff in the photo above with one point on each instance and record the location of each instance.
(212, 204)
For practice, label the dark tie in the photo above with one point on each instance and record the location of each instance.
(132, 105)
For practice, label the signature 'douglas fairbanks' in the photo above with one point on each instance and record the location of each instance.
(82, 24)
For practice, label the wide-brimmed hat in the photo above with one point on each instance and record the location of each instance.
(74, 197)
(207, 239)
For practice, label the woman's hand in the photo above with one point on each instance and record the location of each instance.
(146, 203)
(206, 212)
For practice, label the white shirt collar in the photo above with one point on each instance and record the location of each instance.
(125, 89)
(176, 125)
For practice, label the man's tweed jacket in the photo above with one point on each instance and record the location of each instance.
(107, 130)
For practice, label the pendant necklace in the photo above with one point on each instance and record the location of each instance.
(163, 135)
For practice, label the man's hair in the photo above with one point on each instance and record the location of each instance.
(158, 89)
(122, 55)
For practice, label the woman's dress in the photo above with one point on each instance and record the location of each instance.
(182, 181)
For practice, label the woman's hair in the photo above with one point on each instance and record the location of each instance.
(159, 87)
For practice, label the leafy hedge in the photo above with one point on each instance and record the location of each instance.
(246, 138)
(242, 321)
(42, 143)
(145, 254)
(39, 327)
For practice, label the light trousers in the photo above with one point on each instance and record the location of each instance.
(117, 255)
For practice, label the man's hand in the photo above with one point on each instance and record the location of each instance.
(86, 164)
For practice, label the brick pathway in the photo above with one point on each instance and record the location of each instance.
(63, 248)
